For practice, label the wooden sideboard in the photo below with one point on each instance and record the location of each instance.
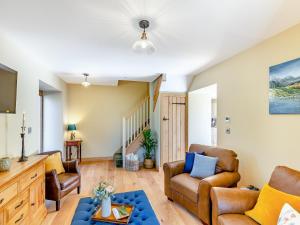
(22, 192)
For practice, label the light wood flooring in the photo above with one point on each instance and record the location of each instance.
(150, 181)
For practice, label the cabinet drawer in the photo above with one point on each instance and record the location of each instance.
(20, 217)
(8, 193)
(31, 176)
(16, 205)
(1, 217)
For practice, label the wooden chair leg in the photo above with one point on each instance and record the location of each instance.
(57, 205)
(78, 190)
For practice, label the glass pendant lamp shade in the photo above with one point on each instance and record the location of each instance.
(143, 45)
(85, 83)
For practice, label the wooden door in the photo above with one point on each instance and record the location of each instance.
(173, 127)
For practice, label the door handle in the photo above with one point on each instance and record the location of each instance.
(164, 119)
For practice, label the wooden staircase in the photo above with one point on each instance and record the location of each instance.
(134, 123)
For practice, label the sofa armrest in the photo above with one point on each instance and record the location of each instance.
(174, 168)
(53, 188)
(170, 170)
(225, 179)
(232, 200)
(71, 166)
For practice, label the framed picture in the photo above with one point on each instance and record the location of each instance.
(284, 88)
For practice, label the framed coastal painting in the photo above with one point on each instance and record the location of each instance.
(284, 88)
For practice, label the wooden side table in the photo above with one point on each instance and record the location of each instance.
(73, 143)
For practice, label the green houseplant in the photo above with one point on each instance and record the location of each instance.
(149, 143)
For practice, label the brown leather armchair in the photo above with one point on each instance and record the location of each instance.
(193, 193)
(229, 205)
(59, 185)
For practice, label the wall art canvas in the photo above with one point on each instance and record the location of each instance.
(284, 88)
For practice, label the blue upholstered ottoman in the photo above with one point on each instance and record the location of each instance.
(143, 213)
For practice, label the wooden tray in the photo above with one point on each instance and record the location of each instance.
(111, 219)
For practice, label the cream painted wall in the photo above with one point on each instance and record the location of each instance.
(262, 141)
(29, 74)
(98, 111)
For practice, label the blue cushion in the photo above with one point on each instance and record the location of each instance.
(143, 213)
(204, 166)
(189, 162)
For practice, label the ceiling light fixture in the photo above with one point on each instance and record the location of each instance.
(144, 45)
(85, 83)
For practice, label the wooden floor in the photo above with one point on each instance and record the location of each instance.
(150, 181)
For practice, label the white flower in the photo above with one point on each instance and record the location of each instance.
(103, 191)
(109, 189)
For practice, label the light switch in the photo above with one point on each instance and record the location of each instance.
(227, 119)
(29, 130)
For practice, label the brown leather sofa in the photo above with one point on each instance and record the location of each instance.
(229, 205)
(193, 193)
(59, 185)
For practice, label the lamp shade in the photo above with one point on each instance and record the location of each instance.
(143, 46)
(71, 127)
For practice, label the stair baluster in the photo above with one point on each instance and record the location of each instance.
(134, 123)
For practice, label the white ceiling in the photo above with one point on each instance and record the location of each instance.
(95, 36)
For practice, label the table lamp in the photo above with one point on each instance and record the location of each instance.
(72, 128)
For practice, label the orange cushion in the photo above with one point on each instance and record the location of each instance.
(269, 205)
(53, 162)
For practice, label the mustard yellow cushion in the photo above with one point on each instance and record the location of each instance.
(54, 162)
(269, 205)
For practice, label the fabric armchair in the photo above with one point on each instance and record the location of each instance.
(59, 185)
(194, 193)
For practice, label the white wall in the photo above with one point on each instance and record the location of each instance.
(175, 83)
(199, 115)
(53, 121)
(262, 141)
(29, 74)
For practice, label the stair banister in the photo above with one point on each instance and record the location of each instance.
(134, 123)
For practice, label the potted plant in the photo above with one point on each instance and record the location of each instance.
(149, 144)
(103, 192)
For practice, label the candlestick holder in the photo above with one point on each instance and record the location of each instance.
(23, 158)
